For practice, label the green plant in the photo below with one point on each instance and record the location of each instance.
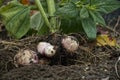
(1, 1)
(85, 14)
(73, 15)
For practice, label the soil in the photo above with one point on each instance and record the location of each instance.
(89, 62)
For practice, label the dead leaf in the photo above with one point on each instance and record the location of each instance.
(104, 39)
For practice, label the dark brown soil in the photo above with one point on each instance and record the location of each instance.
(89, 62)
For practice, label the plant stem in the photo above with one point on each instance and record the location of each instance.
(51, 7)
(39, 5)
(51, 11)
(90, 2)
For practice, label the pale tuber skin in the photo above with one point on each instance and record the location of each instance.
(45, 48)
(70, 43)
(25, 57)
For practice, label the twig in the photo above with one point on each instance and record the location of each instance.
(118, 20)
(9, 43)
(28, 38)
(78, 61)
(113, 19)
(116, 69)
(86, 50)
(85, 41)
(112, 30)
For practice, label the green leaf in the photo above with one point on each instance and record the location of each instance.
(110, 7)
(71, 25)
(44, 30)
(1, 3)
(84, 13)
(97, 17)
(74, 1)
(16, 18)
(36, 21)
(67, 11)
(89, 27)
(37, 24)
(107, 6)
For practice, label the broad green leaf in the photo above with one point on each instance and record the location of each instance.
(1, 3)
(110, 7)
(44, 4)
(44, 30)
(89, 27)
(36, 21)
(64, 1)
(71, 25)
(84, 13)
(74, 1)
(16, 18)
(97, 17)
(107, 6)
(37, 24)
(67, 11)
